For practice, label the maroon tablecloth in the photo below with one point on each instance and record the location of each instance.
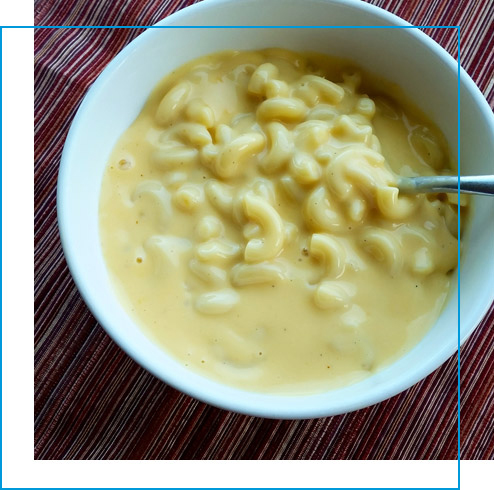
(93, 402)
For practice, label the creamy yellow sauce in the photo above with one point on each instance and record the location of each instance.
(251, 222)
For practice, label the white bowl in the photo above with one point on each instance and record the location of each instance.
(427, 74)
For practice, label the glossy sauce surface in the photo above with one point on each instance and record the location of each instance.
(250, 220)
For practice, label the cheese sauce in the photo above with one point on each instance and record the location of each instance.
(251, 223)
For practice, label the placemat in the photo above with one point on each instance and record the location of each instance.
(93, 402)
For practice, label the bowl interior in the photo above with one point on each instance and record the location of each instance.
(405, 56)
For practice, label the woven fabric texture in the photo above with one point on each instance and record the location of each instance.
(93, 402)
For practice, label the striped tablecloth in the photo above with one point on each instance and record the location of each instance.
(93, 402)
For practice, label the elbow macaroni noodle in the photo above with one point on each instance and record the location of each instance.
(252, 219)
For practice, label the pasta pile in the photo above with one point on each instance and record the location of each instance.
(251, 218)
(309, 138)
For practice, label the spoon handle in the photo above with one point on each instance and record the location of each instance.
(482, 184)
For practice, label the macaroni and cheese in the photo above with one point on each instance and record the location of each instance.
(251, 220)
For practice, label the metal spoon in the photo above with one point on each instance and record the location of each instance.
(481, 184)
